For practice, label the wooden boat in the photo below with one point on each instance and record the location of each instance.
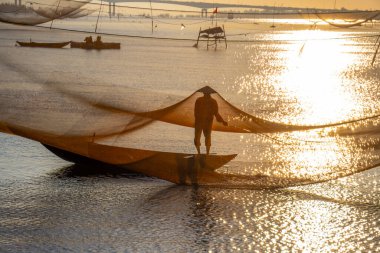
(43, 44)
(94, 45)
(178, 168)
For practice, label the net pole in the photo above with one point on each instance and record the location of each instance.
(377, 50)
(55, 13)
(151, 13)
(97, 20)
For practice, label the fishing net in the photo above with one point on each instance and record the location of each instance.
(118, 126)
(152, 19)
(81, 125)
(58, 9)
(20, 15)
(347, 20)
(42, 11)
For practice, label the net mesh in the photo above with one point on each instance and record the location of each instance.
(79, 125)
(104, 126)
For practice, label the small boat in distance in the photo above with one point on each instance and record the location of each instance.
(102, 45)
(43, 44)
(97, 44)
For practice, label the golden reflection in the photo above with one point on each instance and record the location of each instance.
(311, 156)
(314, 161)
(313, 77)
(289, 220)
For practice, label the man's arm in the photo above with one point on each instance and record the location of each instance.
(217, 115)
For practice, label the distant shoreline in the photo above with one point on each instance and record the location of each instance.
(269, 8)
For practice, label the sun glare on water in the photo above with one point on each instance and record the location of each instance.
(313, 81)
(313, 77)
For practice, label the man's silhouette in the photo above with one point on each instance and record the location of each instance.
(88, 40)
(98, 41)
(204, 111)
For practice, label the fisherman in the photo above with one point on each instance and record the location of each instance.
(98, 41)
(88, 40)
(204, 111)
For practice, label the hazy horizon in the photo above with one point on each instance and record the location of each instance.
(323, 4)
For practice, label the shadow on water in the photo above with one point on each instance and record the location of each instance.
(99, 171)
(302, 195)
(108, 171)
(280, 195)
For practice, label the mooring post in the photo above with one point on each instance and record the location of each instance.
(225, 37)
(109, 8)
(199, 34)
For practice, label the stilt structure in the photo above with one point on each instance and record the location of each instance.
(204, 13)
(212, 36)
(111, 8)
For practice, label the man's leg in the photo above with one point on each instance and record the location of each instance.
(197, 138)
(207, 134)
(208, 149)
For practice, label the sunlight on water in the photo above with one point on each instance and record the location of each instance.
(287, 76)
(313, 78)
(308, 81)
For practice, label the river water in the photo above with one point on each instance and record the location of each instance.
(293, 74)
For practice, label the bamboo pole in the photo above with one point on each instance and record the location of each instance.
(55, 13)
(377, 50)
(97, 20)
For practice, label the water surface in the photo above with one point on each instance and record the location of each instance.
(48, 204)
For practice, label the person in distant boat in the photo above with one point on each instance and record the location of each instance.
(88, 40)
(98, 41)
(206, 108)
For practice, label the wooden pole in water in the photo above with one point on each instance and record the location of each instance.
(151, 13)
(97, 21)
(55, 13)
(216, 16)
(199, 34)
(377, 50)
(378, 38)
(109, 8)
(225, 37)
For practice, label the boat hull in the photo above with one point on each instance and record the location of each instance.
(103, 45)
(178, 168)
(41, 44)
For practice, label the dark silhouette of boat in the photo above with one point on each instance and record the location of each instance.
(99, 46)
(178, 168)
(43, 44)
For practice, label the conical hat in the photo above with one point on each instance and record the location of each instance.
(207, 90)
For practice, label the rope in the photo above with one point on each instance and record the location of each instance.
(179, 24)
(55, 14)
(192, 40)
(291, 139)
(348, 25)
(296, 12)
(377, 50)
(20, 9)
(97, 20)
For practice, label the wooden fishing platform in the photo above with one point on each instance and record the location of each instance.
(212, 36)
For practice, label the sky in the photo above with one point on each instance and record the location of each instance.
(325, 4)
(348, 4)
